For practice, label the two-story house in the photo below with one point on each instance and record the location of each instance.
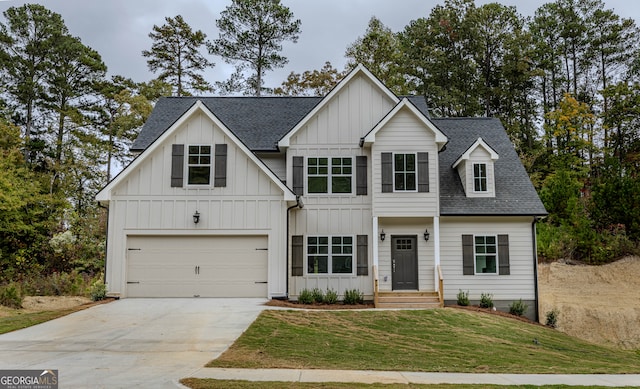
(360, 189)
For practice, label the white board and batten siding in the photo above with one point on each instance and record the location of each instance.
(519, 284)
(145, 204)
(335, 131)
(404, 133)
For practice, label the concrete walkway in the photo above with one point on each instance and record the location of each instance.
(390, 377)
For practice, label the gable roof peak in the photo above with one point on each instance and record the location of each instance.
(478, 143)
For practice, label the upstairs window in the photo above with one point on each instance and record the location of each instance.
(480, 177)
(329, 175)
(199, 165)
(404, 169)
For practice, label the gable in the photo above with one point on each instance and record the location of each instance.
(350, 110)
(151, 173)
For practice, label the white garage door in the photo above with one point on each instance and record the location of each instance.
(197, 266)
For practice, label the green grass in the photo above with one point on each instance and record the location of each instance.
(23, 320)
(196, 383)
(441, 340)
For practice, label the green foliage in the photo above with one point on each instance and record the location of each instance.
(486, 300)
(70, 283)
(353, 296)
(310, 83)
(98, 291)
(175, 53)
(248, 42)
(463, 298)
(552, 318)
(305, 297)
(518, 308)
(331, 297)
(11, 296)
(317, 295)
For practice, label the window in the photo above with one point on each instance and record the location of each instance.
(404, 168)
(480, 177)
(330, 255)
(486, 257)
(199, 165)
(329, 175)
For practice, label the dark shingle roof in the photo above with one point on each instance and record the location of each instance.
(259, 122)
(515, 195)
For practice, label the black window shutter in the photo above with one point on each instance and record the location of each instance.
(177, 168)
(363, 255)
(387, 172)
(467, 255)
(297, 255)
(503, 255)
(423, 172)
(298, 176)
(220, 169)
(361, 175)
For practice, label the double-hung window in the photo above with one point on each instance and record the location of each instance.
(329, 255)
(404, 169)
(486, 254)
(329, 175)
(199, 165)
(480, 177)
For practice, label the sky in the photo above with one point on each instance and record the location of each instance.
(119, 29)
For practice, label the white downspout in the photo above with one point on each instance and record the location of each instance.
(374, 238)
(436, 250)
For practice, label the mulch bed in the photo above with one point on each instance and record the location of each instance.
(296, 305)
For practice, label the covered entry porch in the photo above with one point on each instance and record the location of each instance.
(406, 262)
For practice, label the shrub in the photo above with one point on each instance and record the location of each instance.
(463, 298)
(486, 300)
(518, 308)
(317, 295)
(353, 296)
(552, 318)
(10, 296)
(331, 297)
(98, 291)
(305, 297)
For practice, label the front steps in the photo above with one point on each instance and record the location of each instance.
(408, 299)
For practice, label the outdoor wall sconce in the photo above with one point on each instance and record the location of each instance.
(426, 234)
(382, 235)
(196, 217)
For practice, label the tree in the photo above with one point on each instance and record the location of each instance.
(175, 52)
(251, 37)
(26, 44)
(311, 82)
(379, 50)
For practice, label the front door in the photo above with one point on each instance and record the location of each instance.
(404, 262)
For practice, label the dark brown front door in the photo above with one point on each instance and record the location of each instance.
(404, 262)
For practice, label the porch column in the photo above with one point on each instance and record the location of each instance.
(374, 238)
(436, 248)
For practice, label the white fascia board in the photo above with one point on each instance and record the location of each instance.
(441, 139)
(360, 69)
(105, 194)
(478, 143)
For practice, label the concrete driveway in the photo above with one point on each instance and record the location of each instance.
(132, 342)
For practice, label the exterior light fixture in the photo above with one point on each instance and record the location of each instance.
(382, 235)
(196, 217)
(426, 234)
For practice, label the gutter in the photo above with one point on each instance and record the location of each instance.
(300, 205)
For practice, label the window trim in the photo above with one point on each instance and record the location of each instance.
(330, 177)
(187, 165)
(475, 255)
(393, 172)
(330, 256)
(480, 177)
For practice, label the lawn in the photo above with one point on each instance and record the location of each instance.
(21, 320)
(441, 340)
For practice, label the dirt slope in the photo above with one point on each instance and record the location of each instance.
(600, 304)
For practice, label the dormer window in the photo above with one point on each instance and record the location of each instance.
(476, 170)
(480, 177)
